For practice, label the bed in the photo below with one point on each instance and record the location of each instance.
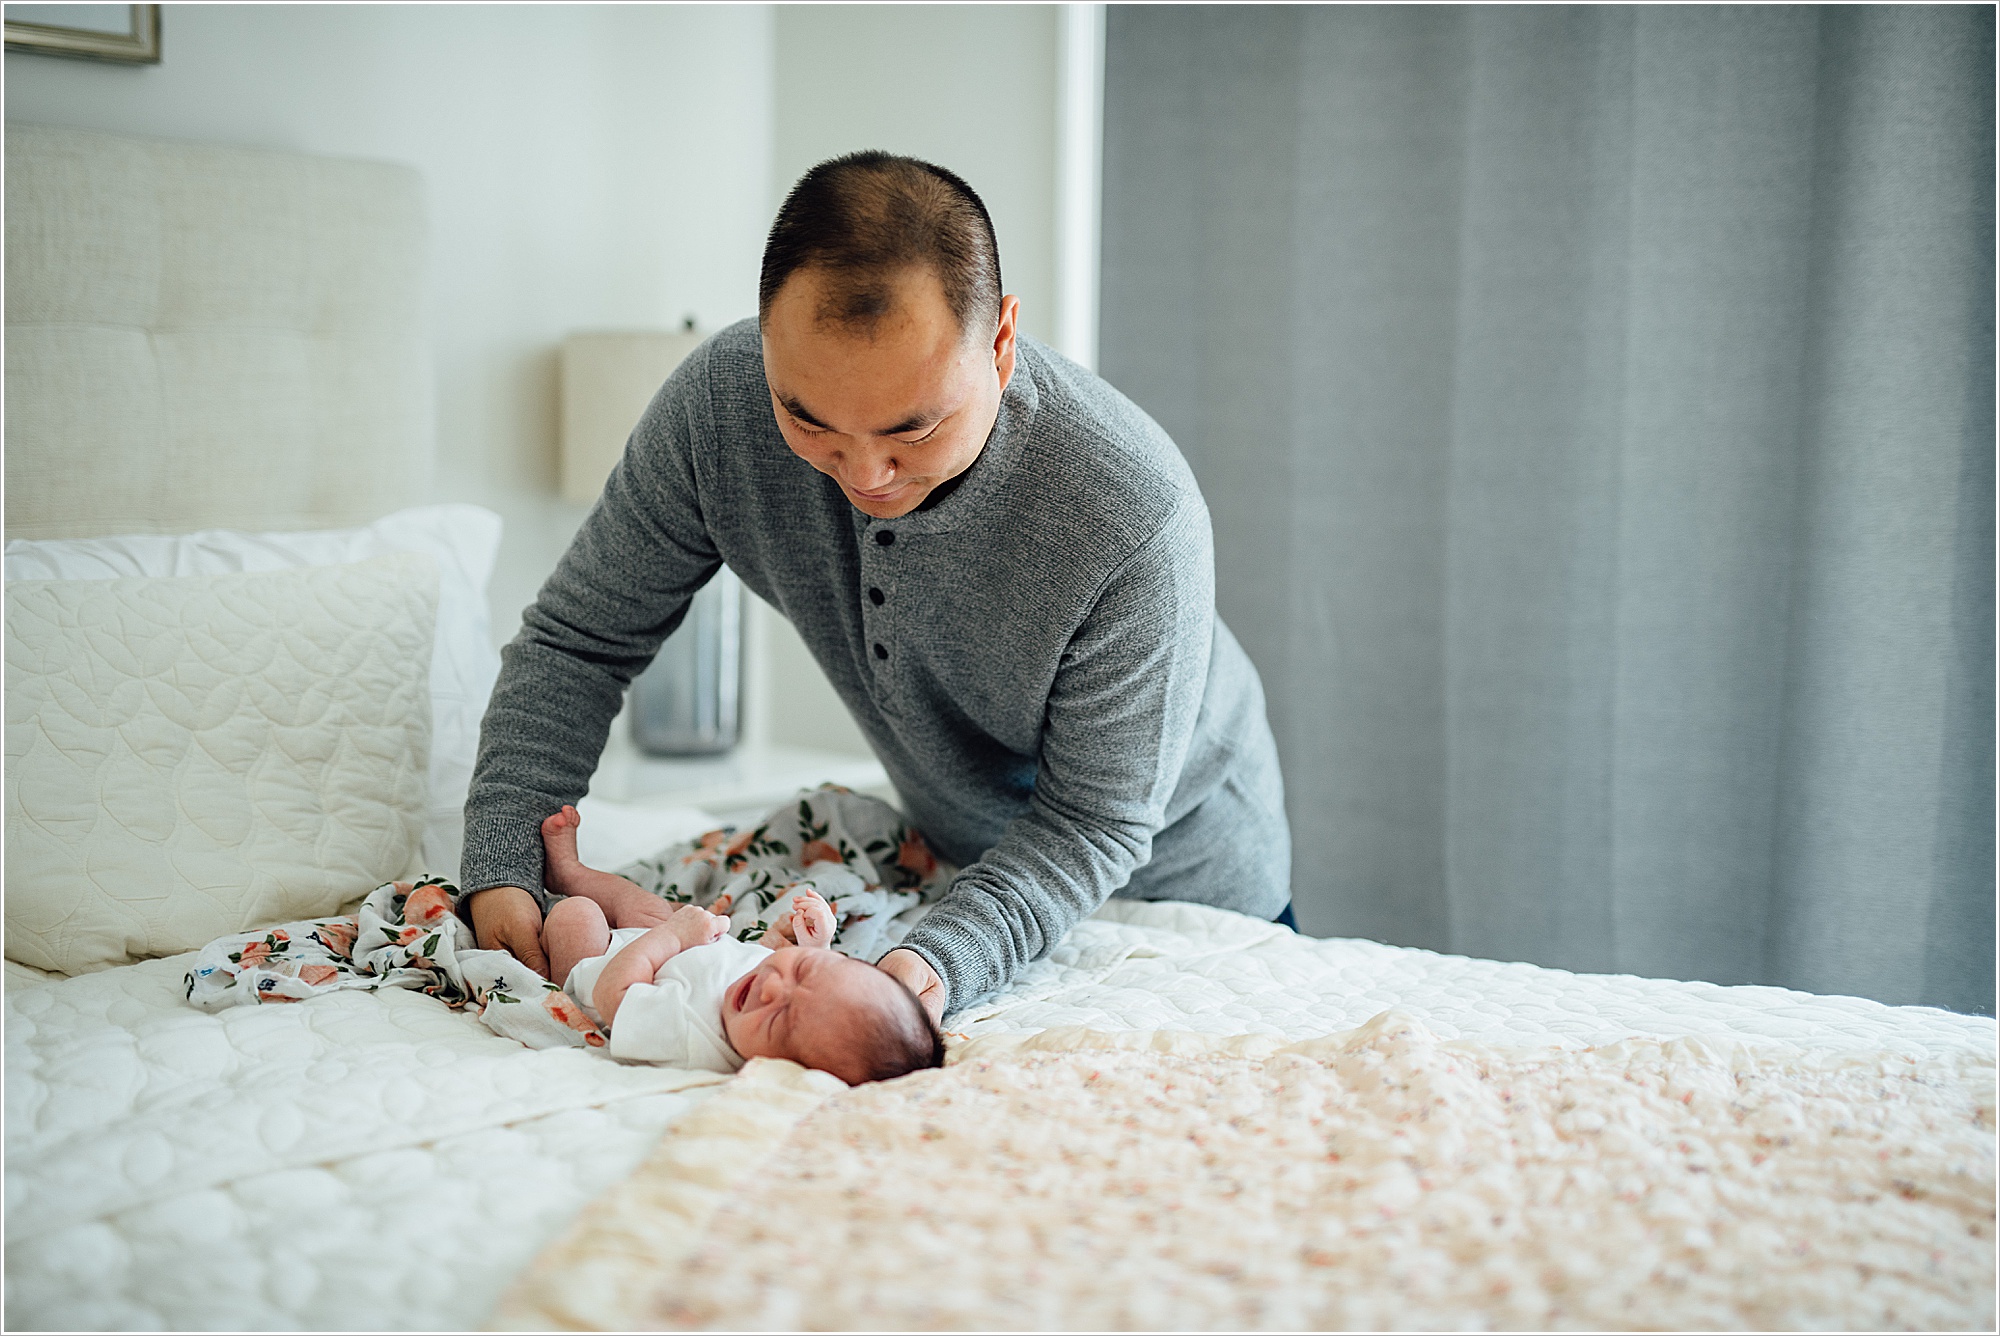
(179, 313)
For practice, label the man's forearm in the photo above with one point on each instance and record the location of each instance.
(539, 743)
(1048, 872)
(618, 591)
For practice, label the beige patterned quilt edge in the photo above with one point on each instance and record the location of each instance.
(656, 1217)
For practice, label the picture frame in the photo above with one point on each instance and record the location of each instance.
(86, 32)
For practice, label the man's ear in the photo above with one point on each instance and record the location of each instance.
(1003, 340)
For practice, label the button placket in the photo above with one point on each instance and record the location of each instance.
(876, 615)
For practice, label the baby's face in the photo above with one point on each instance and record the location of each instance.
(810, 1005)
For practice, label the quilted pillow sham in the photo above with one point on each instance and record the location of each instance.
(198, 755)
(463, 540)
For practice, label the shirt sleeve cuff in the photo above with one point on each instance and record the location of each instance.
(964, 962)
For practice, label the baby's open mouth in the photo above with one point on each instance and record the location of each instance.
(741, 992)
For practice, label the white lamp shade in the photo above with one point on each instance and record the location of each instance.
(608, 378)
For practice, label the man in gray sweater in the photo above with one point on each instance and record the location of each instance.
(1003, 566)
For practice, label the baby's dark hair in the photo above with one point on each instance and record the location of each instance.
(912, 1042)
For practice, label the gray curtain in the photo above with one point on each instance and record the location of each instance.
(1596, 411)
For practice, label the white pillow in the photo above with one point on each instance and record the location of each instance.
(463, 541)
(200, 755)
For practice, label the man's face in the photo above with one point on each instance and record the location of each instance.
(889, 412)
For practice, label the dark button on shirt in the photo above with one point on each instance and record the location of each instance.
(885, 536)
(881, 651)
(875, 597)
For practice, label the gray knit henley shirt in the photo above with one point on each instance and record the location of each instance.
(1036, 659)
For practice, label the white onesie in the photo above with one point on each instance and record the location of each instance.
(677, 1018)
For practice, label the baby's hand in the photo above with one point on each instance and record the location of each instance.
(695, 926)
(809, 922)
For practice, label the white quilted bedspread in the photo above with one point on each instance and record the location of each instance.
(376, 1161)
(1173, 966)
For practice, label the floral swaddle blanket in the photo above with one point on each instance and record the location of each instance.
(870, 866)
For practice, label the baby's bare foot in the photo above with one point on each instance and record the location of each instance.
(562, 871)
(625, 904)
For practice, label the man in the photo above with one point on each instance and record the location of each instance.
(1004, 567)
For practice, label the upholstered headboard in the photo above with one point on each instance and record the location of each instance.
(207, 336)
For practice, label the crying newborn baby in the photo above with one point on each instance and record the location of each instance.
(687, 994)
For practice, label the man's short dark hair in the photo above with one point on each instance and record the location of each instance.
(866, 217)
(915, 1044)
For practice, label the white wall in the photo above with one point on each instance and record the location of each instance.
(969, 87)
(596, 166)
(586, 166)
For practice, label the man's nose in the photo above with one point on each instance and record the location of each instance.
(870, 470)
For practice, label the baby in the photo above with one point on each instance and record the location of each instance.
(682, 991)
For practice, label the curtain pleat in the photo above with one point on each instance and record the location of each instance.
(1595, 408)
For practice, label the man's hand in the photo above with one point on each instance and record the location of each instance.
(506, 918)
(915, 973)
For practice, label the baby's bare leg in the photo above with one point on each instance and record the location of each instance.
(574, 930)
(625, 904)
